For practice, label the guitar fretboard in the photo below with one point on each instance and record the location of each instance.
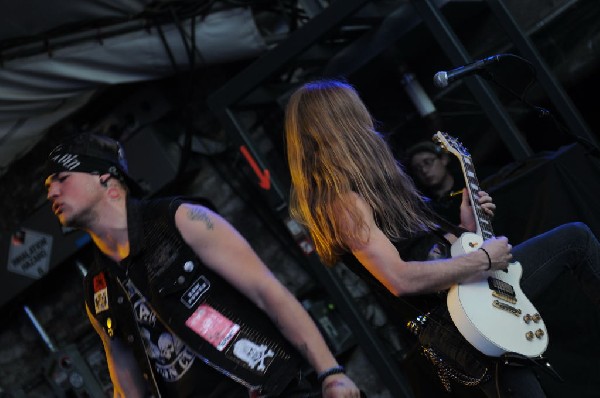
(482, 219)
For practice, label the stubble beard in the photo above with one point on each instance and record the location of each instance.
(82, 220)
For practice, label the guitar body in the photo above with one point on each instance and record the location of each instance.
(493, 314)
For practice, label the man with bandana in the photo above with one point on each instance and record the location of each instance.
(183, 305)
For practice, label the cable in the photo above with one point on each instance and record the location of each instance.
(540, 111)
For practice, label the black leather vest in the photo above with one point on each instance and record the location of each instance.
(224, 328)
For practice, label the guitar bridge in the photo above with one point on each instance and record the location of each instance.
(502, 290)
(507, 308)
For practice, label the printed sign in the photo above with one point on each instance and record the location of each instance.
(30, 254)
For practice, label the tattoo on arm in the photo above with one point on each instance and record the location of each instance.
(199, 213)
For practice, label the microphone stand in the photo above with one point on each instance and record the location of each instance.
(542, 113)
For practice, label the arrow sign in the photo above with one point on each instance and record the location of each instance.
(264, 178)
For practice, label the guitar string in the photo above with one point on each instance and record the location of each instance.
(473, 183)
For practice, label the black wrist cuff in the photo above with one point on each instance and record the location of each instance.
(488, 257)
(331, 371)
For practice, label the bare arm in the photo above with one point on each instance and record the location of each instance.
(124, 372)
(379, 256)
(226, 252)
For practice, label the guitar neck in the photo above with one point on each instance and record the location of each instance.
(483, 221)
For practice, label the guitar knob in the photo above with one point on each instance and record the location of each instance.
(536, 317)
(539, 333)
(527, 318)
(529, 335)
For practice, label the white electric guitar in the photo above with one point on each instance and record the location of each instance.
(493, 314)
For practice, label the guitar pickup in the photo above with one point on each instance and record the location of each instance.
(502, 290)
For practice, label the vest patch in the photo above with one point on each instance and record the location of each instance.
(212, 326)
(100, 293)
(257, 357)
(171, 357)
(195, 291)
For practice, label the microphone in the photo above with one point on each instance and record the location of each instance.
(443, 78)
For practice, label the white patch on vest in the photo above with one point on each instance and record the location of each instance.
(101, 300)
(252, 354)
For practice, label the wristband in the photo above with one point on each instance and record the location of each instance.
(489, 258)
(331, 371)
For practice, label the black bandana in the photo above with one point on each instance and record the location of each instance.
(90, 153)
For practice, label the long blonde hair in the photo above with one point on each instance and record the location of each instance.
(333, 149)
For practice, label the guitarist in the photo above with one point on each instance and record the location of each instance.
(361, 208)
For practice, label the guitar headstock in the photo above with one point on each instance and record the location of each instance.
(450, 144)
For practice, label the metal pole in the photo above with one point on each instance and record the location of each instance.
(556, 93)
(449, 42)
(40, 330)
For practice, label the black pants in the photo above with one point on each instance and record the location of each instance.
(571, 248)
